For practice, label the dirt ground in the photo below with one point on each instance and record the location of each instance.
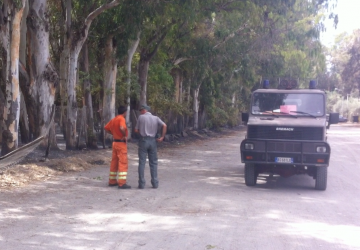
(202, 201)
(33, 168)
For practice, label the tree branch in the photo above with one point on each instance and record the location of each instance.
(99, 10)
(231, 35)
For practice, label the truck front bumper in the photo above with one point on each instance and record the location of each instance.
(301, 153)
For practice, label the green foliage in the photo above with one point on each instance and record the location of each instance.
(217, 117)
(223, 48)
(121, 86)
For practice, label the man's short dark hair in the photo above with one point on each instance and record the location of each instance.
(122, 110)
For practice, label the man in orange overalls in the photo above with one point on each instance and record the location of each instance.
(119, 161)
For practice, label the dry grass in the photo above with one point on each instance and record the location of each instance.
(32, 170)
(21, 175)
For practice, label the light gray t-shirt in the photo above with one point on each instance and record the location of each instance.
(148, 124)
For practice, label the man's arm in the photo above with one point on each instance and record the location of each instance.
(163, 133)
(107, 127)
(123, 130)
(136, 129)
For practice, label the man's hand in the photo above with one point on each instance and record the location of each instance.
(160, 139)
(163, 134)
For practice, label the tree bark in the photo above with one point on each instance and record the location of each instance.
(110, 71)
(131, 53)
(177, 77)
(91, 136)
(196, 104)
(75, 43)
(23, 122)
(43, 77)
(71, 108)
(143, 74)
(64, 67)
(10, 36)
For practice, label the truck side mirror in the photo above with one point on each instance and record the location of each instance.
(245, 117)
(333, 119)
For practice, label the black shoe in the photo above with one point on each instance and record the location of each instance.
(125, 186)
(113, 185)
(140, 187)
(155, 186)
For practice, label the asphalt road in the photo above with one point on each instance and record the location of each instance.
(202, 203)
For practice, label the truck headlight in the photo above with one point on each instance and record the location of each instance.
(321, 149)
(249, 146)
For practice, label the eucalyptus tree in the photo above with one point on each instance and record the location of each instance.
(162, 18)
(43, 77)
(10, 25)
(76, 32)
(345, 62)
(115, 39)
(220, 46)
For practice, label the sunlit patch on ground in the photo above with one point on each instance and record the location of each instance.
(347, 235)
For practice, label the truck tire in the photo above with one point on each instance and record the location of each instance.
(321, 178)
(250, 174)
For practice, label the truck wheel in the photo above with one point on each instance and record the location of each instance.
(321, 178)
(250, 174)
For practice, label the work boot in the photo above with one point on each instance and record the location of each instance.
(113, 185)
(125, 186)
(140, 187)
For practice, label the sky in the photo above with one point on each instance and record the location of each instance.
(349, 20)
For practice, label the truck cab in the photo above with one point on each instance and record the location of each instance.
(286, 134)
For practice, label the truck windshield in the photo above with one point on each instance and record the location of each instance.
(298, 104)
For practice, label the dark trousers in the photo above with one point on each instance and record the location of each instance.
(148, 147)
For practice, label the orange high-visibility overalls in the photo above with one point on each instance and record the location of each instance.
(119, 161)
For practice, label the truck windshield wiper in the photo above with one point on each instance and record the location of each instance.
(281, 113)
(304, 113)
(284, 113)
(270, 113)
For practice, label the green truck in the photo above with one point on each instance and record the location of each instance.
(286, 133)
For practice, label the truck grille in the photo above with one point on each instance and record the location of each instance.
(298, 133)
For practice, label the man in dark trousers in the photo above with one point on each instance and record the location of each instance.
(119, 161)
(147, 126)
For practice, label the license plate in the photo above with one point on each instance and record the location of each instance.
(284, 160)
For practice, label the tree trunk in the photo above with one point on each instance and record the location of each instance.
(64, 68)
(188, 98)
(196, 104)
(71, 108)
(10, 36)
(143, 74)
(23, 122)
(176, 120)
(110, 71)
(2, 108)
(202, 118)
(91, 136)
(43, 77)
(75, 42)
(131, 53)
(177, 77)
(233, 100)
